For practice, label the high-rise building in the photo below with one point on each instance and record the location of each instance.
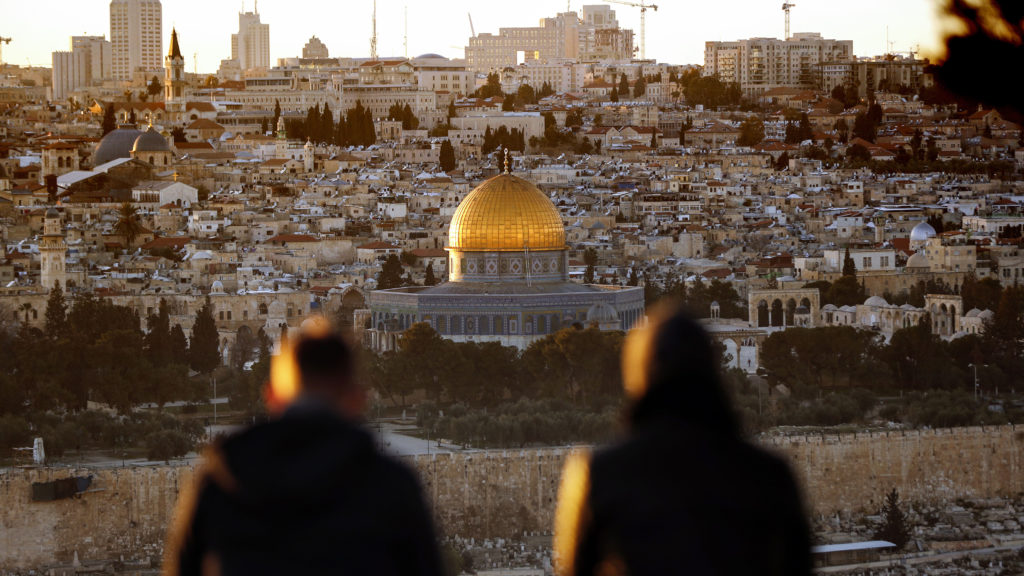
(99, 56)
(88, 62)
(68, 74)
(594, 36)
(135, 36)
(250, 47)
(760, 64)
(315, 48)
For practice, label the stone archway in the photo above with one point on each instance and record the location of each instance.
(782, 305)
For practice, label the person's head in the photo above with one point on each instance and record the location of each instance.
(669, 370)
(325, 366)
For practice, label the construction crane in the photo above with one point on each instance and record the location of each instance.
(373, 38)
(785, 8)
(2, 42)
(643, 21)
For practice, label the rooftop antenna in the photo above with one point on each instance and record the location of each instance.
(195, 63)
(373, 39)
(472, 30)
(405, 41)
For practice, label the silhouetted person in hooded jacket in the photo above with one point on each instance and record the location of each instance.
(682, 493)
(306, 492)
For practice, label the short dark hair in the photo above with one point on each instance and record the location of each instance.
(323, 360)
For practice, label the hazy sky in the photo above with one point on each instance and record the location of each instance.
(675, 33)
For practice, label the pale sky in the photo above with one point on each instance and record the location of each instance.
(675, 33)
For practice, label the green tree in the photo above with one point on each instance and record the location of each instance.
(390, 273)
(894, 526)
(639, 87)
(526, 95)
(204, 347)
(858, 153)
(178, 134)
(446, 156)
(864, 127)
(623, 85)
(109, 123)
(127, 225)
(155, 87)
(614, 95)
(751, 132)
(277, 113)
(429, 278)
(56, 314)
(849, 266)
(326, 129)
(509, 103)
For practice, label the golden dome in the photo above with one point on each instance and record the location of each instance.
(506, 214)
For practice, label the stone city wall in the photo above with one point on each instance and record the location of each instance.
(506, 493)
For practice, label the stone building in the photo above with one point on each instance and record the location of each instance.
(507, 278)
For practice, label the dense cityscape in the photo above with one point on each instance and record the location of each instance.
(485, 232)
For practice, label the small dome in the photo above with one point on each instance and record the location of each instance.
(602, 312)
(52, 213)
(973, 313)
(986, 314)
(429, 55)
(918, 260)
(876, 301)
(217, 287)
(922, 232)
(150, 141)
(828, 308)
(908, 307)
(506, 214)
(117, 144)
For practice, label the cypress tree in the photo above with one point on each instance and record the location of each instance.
(446, 158)
(56, 314)
(204, 347)
(109, 123)
(326, 124)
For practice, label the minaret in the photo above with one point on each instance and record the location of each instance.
(52, 252)
(308, 156)
(174, 82)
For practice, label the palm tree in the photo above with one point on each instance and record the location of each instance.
(127, 224)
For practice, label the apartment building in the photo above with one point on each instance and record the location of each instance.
(136, 38)
(760, 64)
(594, 34)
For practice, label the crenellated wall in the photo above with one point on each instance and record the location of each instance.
(503, 493)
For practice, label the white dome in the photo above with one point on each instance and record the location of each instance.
(877, 301)
(217, 287)
(602, 312)
(974, 312)
(922, 232)
(918, 260)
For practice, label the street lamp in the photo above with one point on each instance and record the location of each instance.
(976, 386)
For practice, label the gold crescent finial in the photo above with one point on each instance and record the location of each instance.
(506, 161)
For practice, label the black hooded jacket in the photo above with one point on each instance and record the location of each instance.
(305, 494)
(682, 493)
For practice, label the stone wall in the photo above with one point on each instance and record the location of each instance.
(508, 493)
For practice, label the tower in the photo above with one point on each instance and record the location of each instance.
(174, 81)
(135, 30)
(308, 156)
(52, 252)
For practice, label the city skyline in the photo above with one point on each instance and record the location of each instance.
(205, 28)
